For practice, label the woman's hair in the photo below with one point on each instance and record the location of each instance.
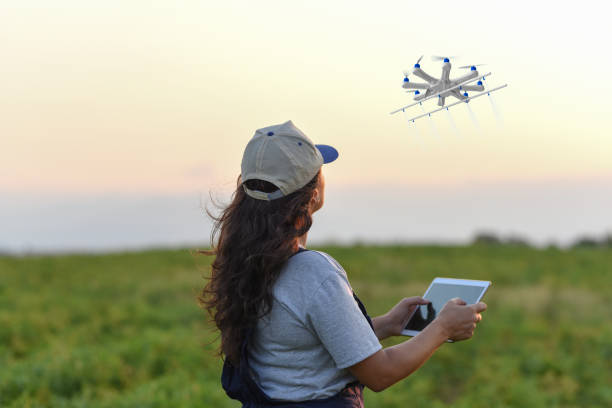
(255, 239)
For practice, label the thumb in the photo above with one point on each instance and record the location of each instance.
(415, 300)
(479, 307)
(458, 301)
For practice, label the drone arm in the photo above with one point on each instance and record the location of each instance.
(446, 71)
(421, 74)
(423, 95)
(457, 94)
(478, 88)
(467, 77)
(414, 85)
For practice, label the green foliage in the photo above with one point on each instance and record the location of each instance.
(125, 330)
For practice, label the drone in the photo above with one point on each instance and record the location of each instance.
(444, 86)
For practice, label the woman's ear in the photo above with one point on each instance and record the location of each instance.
(315, 201)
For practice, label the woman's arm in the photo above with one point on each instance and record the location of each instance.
(380, 327)
(456, 321)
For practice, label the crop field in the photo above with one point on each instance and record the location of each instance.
(125, 330)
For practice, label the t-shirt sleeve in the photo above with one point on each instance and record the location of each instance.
(340, 325)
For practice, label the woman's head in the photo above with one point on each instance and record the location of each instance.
(283, 156)
(317, 194)
(258, 231)
(286, 218)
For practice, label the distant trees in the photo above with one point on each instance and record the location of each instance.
(585, 241)
(593, 242)
(486, 238)
(490, 238)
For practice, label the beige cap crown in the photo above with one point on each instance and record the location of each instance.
(282, 155)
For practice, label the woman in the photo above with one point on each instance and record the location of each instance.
(293, 333)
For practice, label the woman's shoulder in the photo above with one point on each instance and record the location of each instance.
(313, 266)
(316, 259)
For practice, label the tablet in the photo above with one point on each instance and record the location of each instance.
(440, 291)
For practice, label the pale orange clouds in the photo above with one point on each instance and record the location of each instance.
(162, 97)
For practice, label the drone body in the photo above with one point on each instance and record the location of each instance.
(443, 87)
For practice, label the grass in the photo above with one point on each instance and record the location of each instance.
(124, 330)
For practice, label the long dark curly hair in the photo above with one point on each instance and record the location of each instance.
(255, 239)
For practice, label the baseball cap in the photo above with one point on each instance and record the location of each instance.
(284, 156)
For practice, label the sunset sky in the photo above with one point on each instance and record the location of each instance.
(128, 104)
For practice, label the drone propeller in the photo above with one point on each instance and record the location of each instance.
(406, 76)
(439, 58)
(470, 66)
(416, 64)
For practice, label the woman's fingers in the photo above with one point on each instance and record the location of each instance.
(466, 318)
(416, 300)
(460, 319)
(466, 332)
(397, 318)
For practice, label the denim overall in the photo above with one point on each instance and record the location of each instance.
(239, 385)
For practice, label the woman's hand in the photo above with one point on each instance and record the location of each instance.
(395, 320)
(458, 320)
(384, 368)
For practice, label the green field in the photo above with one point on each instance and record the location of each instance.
(124, 330)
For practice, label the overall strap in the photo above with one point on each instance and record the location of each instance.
(363, 310)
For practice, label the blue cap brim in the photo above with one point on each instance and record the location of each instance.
(329, 153)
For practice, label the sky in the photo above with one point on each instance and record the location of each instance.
(119, 119)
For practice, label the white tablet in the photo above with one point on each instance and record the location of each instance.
(440, 291)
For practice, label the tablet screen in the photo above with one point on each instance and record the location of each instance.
(438, 294)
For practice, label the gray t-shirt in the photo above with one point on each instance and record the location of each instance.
(315, 330)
